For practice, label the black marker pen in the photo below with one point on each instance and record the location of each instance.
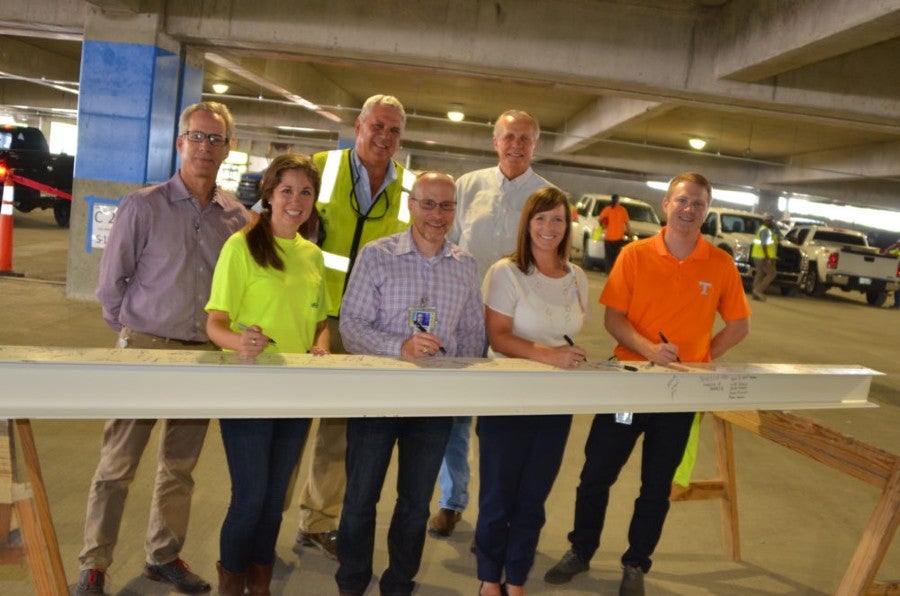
(665, 341)
(423, 330)
(247, 328)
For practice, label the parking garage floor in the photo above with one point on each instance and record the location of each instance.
(800, 521)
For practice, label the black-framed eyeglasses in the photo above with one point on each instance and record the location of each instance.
(429, 205)
(198, 136)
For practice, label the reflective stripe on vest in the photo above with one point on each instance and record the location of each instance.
(336, 262)
(329, 175)
(757, 252)
(406, 183)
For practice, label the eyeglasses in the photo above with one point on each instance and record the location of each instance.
(428, 204)
(197, 136)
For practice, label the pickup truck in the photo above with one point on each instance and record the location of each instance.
(843, 258)
(642, 218)
(733, 231)
(24, 150)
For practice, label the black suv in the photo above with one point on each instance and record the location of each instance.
(24, 150)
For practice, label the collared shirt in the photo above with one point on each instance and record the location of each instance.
(488, 208)
(392, 279)
(659, 293)
(157, 266)
(361, 185)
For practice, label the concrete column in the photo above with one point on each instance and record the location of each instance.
(134, 84)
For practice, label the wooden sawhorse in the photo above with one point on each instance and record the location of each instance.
(29, 500)
(845, 454)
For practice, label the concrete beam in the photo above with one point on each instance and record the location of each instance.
(289, 80)
(590, 46)
(765, 38)
(56, 19)
(20, 93)
(23, 59)
(881, 160)
(600, 118)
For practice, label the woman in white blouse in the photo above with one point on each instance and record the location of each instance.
(536, 303)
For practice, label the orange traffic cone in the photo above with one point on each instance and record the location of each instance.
(6, 227)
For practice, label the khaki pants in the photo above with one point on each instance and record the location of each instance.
(322, 497)
(765, 275)
(123, 445)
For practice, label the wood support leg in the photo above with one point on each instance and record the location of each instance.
(731, 535)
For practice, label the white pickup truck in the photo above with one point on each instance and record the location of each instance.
(843, 258)
(733, 231)
(642, 219)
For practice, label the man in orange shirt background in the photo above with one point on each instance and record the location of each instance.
(661, 306)
(614, 221)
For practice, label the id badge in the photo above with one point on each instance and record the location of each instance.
(623, 417)
(423, 318)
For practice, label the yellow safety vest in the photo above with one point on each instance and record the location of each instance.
(757, 251)
(346, 231)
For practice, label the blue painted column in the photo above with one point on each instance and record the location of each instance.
(131, 94)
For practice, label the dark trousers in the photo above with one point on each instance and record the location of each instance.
(612, 248)
(370, 443)
(608, 447)
(519, 459)
(261, 455)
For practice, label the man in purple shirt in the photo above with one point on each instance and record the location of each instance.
(415, 295)
(154, 282)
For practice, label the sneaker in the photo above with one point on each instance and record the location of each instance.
(90, 582)
(758, 297)
(324, 541)
(179, 575)
(442, 524)
(632, 581)
(567, 568)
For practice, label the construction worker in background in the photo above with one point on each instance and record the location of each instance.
(764, 254)
(894, 249)
(614, 221)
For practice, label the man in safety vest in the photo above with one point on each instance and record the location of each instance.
(764, 254)
(894, 249)
(363, 196)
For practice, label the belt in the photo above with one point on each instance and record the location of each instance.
(128, 332)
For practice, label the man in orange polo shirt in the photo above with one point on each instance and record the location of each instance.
(661, 305)
(614, 221)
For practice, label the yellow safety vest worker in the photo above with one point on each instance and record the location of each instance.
(347, 230)
(757, 251)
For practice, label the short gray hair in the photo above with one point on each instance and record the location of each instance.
(517, 115)
(382, 100)
(212, 107)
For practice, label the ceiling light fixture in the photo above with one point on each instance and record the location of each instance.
(456, 114)
(220, 88)
(697, 143)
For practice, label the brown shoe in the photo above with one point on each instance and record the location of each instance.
(259, 578)
(230, 584)
(442, 523)
(324, 541)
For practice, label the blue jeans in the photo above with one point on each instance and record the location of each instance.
(261, 455)
(519, 458)
(453, 478)
(370, 443)
(608, 447)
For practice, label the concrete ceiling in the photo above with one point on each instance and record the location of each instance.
(791, 95)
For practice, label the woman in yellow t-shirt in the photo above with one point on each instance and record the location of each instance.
(268, 294)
